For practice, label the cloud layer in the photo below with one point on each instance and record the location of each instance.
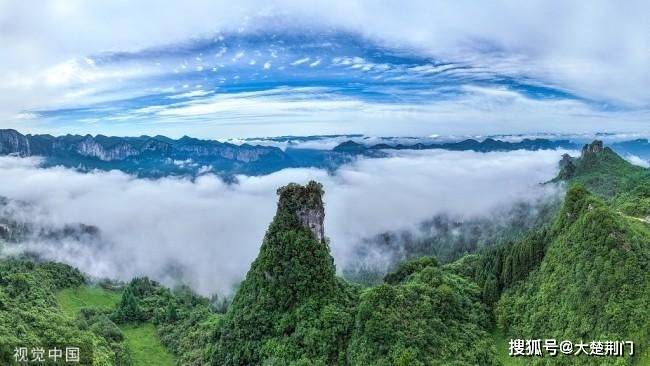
(210, 231)
(419, 67)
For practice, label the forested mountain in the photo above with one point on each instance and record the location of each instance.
(582, 275)
(585, 275)
(292, 309)
(626, 187)
(593, 283)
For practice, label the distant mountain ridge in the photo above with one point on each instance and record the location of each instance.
(159, 156)
(119, 148)
(144, 155)
(487, 145)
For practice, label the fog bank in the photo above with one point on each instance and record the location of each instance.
(208, 232)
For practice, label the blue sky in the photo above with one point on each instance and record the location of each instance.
(213, 69)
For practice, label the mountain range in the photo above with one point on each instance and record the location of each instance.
(157, 156)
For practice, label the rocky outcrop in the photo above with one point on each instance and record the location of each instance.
(594, 148)
(293, 278)
(312, 219)
(307, 204)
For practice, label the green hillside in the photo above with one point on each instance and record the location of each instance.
(30, 315)
(145, 347)
(141, 339)
(73, 299)
(585, 275)
(593, 283)
(624, 186)
(429, 317)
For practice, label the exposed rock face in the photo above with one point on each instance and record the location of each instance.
(290, 293)
(12, 142)
(307, 203)
(594, 148)
(89, 147)
(117, 148)
(312, 219)
(566, 161)
(156, 146)
(243, 153)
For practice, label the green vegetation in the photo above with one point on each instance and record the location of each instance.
(624, 186)
(145, 346)
(497, 269)
(585, 275)
(72, 300)
(93, 305)
(31, 317)
(582, 277)
(291, 308)
(592, 283)
(431, 317)
(502, 343)
(184, 320)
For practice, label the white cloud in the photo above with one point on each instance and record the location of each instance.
(300, 61)
(600, 51)
(212, 231)
(298, 111)
(192, 94)
(638, 161)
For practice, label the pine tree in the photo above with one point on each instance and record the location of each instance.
(128, 309)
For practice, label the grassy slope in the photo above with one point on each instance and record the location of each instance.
(145, 346)
(71, 300)
(142, 340)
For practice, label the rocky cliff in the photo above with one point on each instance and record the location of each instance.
(120, 148)
(593, 148)
(90, 147)
(14, 143)
(145, 155)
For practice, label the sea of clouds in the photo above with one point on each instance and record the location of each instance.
(208, 232)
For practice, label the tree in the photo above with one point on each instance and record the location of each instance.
(128, 310)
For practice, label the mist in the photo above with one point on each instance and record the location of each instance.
(206, 232)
